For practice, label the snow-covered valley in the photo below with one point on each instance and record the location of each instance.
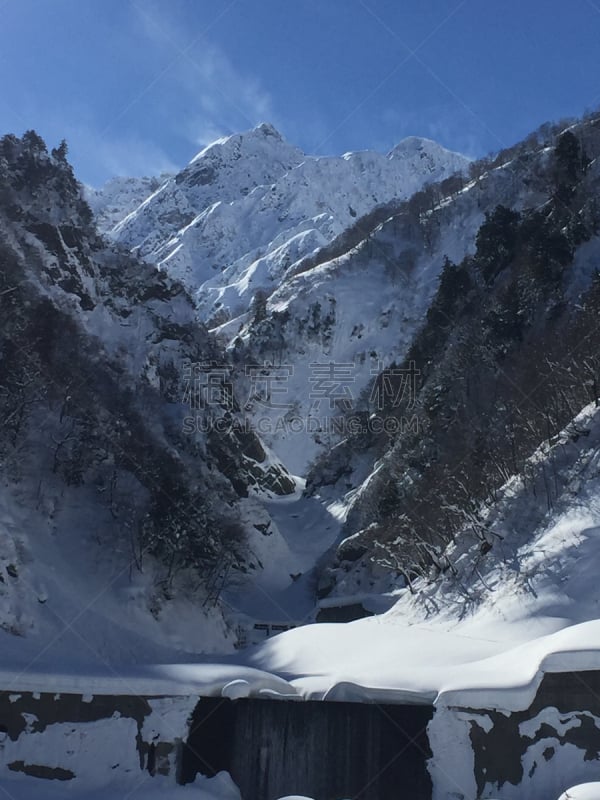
(521, 619)
(144, 561)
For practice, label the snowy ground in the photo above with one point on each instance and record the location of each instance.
(584, 791)
(481, 642)
(536, 594)
(532, 605)
(285, 590)
(67, 593)
(221, 787)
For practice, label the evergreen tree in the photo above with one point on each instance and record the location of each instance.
(571, 165)
(496, 241)
(60, 153)
(34, 142)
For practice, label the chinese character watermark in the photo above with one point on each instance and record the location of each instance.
(267, 384)
(207, 386)
(328, 398)
(395, 386)
(331, 382)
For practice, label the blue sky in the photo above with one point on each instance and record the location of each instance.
(138, 86)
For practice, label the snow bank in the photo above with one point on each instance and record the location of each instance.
(584, 791)
(175, 680)
(142, 787)
(486, 640)
(510, 680)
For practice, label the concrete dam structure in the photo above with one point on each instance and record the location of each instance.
(320, 749)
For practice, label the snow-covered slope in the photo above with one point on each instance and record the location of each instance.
(304, 210)
(512, 335)
(222, 173)
(483, 636)
(96, 472)
(360, 303)
(119, 196)
(70, 596)
(250, 206)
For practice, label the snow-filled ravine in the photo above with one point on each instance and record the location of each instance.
(483, 642)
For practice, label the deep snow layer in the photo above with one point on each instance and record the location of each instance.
(482, 642)
(482, 639)
(139, 787)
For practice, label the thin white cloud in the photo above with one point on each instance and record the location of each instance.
(95, 154)
(218, 99)
(448, 125)
(133, 156)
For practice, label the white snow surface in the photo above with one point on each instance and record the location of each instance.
(120, 196)
(583, 791)
(307, 528)
(250, 206)
(221, 787)
(22, 787)
(532, 608)
(481, 642)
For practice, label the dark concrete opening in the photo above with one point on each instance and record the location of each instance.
(343, 613)
(208, 749)
(328, 751)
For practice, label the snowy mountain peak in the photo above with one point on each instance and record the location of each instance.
(264, 138)
(224, 172)
(429, 152)
(268, 129)
(288, 205)
(262, 130)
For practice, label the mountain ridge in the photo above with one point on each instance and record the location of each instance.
(291, 204)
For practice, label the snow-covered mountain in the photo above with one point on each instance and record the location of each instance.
(222, 173)
(237, 226)
(103, 495)
(472, 534)
(505, 357)
(249, 207)
(359, 302)
(120, 196)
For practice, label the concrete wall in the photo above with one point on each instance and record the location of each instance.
(327, 751)
(534, 754)
(95, 738)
